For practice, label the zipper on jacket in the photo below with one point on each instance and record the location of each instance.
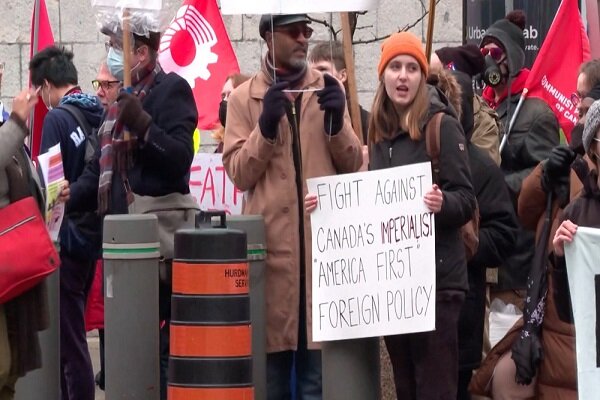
(390, 155)
(17, 225)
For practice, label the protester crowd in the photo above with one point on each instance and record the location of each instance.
(127, 151)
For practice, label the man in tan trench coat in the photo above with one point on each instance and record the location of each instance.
(286, 124)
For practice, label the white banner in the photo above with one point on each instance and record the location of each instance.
(294, 6)
(135, 4)
(373, 248)
(583, 270)
(211, 187)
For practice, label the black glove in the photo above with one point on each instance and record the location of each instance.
(274, 104)
(556, 169)
(333, 101)
(132, 114)
(527, 353)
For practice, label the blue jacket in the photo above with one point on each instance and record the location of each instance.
(61, 127)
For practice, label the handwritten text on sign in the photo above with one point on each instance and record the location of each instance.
(373, 248)
(211, 187)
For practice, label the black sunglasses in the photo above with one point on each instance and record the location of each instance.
(294, 31)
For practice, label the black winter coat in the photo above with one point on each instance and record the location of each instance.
(162, 162)
(534, 135)
(497, 234)
(454, 181)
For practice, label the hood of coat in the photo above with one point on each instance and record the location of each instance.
(438, 102)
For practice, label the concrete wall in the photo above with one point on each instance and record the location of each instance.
(74, 26)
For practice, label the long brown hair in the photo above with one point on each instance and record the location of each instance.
(385, 120)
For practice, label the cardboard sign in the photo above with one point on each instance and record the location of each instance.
(211, 187)
(584, 284)
(294, 6)
(373, 249)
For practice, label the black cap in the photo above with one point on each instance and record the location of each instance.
(510, 37)
(279, 20)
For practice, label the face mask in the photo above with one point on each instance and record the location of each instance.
(114, 61)
(223, 112)
(492, 74)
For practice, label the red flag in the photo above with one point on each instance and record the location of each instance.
(196, 46)
(43, 33)
(553, 77)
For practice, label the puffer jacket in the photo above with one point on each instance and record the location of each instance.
(454, 181)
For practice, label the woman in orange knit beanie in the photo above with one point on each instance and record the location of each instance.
(425, 364)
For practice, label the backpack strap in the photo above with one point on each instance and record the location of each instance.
(90, 133)
(432, 143)
(78, 115)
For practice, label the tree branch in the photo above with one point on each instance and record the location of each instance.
(405, 28)
(327, 25)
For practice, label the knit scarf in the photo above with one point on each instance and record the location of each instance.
(293, 77)
(117, 144)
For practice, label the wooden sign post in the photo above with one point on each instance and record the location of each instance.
(430, 24)
(353, 104)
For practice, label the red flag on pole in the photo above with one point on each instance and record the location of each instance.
(196, 46)
(41, 37)
(553, 77)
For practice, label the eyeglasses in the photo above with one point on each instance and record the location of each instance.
(105, 85)
(575, 99)
(495, 52)
(294, 31)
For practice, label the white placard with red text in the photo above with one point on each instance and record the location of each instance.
(373, 254)
(211, 187)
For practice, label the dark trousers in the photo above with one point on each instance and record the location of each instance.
(464, 378)
(77, 375)
(426, 364)
(164, 315)
(304, 363)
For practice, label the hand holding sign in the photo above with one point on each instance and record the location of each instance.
(565, 233)
(434, 199)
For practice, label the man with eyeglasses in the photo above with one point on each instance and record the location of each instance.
(72, 116)
(286, 124)
(106, 86)
(147, 151)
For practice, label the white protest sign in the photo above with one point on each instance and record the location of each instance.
(294, 6)
(211, 187)
(373, 250)
(135, 4)
(583, 270)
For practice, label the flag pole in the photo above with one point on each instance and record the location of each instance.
(513, 118)
(35, 44)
